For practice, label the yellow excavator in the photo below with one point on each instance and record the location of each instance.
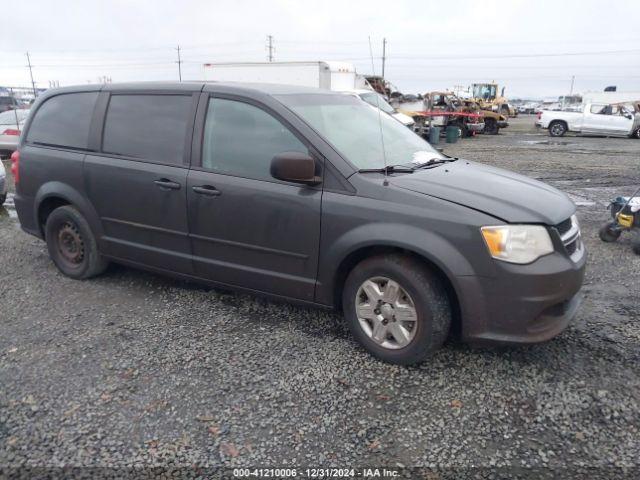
(486, 96)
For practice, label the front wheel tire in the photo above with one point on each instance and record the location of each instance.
(396, 308)
(72, 245)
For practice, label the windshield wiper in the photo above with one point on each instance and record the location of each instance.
(389, 169)
(435, 161)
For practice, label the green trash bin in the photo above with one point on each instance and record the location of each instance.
(452, 134)
(434, 135)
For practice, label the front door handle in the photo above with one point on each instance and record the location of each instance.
(167, 184)
(207, 190)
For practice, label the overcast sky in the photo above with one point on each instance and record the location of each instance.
(532, 47)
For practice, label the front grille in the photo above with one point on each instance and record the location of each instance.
(570, 235)
(564, 227)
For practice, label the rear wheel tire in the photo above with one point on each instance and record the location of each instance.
(557, 129)
(609, 233)
(396, 308)
(72, 245)
(464, 130)
(491, 126)
(636, 133)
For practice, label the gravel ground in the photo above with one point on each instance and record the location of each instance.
(136, 370)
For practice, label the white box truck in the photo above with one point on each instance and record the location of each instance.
(336, 76)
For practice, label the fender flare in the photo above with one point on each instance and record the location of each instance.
(73, 197)
(426, 244)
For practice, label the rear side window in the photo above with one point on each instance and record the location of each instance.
(63, 121)
(148, 127)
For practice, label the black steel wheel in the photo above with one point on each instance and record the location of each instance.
(609, 233)
(72, 245)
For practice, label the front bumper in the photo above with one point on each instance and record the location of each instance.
(523, 303)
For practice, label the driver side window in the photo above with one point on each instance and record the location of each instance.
(601, 109)
(240, 139)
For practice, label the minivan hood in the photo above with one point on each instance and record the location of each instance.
(500, 193)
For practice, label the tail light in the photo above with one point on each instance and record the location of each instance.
(539, 115)
(11, 131)
(15, 166)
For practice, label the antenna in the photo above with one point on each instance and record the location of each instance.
(384, 154)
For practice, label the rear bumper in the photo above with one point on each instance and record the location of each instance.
(9, 143)
(26, 215)
(524, 303)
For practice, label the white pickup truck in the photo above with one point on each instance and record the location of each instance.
(611, 120)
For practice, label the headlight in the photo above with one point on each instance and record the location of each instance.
(517, 243)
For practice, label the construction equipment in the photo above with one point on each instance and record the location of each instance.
(486, 95)
(444, 109)
(493, 121)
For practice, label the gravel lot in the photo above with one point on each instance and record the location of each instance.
(134, 370)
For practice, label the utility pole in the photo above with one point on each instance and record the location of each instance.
(564, 98)
(573, 78)
(179, 62)
(33, 84)
(384, 54)
(270, 48)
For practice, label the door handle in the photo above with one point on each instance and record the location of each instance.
(168, 184)
(207, 190)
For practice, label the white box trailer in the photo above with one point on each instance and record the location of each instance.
(336, 76)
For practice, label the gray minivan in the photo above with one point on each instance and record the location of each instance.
(304, 195)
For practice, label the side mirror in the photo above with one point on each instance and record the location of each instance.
(294, 167)
(628, 116)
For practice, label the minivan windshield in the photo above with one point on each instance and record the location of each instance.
(354, 128)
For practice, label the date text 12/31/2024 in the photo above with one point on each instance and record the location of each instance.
(314, 473)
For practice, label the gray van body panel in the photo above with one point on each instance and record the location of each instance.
(422, 213)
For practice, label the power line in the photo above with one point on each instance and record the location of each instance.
(518, 55)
